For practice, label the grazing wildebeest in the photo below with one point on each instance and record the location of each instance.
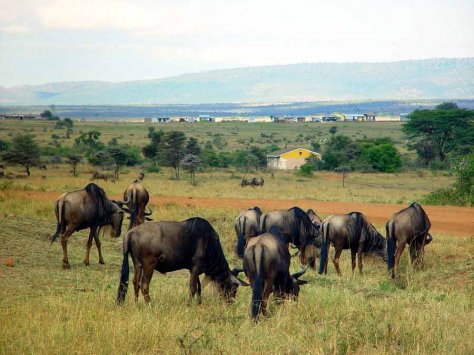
(247, 225)
(408, 226)
(245, 182)
(267, 264)
(86, 208)
(137, 197)
(350, 231)
(43, 167)
(296, 226)
(258, 182)
(169, 246)
(101, 175)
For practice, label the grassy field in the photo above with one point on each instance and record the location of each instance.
(44, 309)
(235, 134)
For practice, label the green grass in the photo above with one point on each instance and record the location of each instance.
(45, 309)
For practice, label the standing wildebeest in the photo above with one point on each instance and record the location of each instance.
(169, 246)
(408, 226)
(101, 175)
(296, 226)
(258, 182)
(350, 231)
(247, 225)
(86, 208)
(267, 265)
(245, 182)
(42, 167)
(137, 197)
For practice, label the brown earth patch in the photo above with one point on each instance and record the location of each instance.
(449, 220)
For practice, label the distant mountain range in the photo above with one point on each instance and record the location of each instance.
(402, 80)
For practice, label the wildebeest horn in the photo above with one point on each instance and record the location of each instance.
(148, 213)
(299, 273)
(148, 219)
(293, 246)
(235, 271)
(125, 209)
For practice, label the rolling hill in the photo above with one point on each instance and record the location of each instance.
(402, 80)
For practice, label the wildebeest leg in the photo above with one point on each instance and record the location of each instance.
(266, 294)
(416, 251)
(194, 285)
(89, 245)
(336, 260)
(98, 244)
(359, 255)
(64, 239)
(137, 277)
(353, 260)
(147, 274)
(398, 255)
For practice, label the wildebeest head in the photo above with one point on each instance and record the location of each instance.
(227, 286)
(294, 283)
(116, 219)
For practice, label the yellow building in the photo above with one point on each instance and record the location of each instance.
(289, 159)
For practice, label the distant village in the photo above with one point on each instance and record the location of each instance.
(336, 117)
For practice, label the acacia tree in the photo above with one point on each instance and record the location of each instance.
(24, 151)
(74, 159)
(152, 150)
(444, 128)
(68, 123)
(190, 162)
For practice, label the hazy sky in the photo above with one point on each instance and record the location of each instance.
(62, 40)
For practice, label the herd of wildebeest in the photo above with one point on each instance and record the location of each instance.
(263, 241)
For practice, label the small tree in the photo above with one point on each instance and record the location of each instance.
(74, 159)
(173, 150)
(190, 162)
(152, 150)
(68, 123)
(24, 151)
(333, 130)
(192, 147)
(344, 170)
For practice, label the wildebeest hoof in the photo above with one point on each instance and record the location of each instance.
(66, 265)
(101, 262)
(86, 263)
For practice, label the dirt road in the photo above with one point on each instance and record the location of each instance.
(456, 221)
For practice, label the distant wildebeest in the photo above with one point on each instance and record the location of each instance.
(86, 208)
(192, 244)
(245, 182)
(410, 226)
(141, 176)
(296, 226)
(42, 167)
(137, 197)
(258, 182)
(247, 225)
(101, 175)
(267, 265)
(350, 231)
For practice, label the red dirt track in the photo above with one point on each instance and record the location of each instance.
(451, 220)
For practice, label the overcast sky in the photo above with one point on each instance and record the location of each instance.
(115, 40)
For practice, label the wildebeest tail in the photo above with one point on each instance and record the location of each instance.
(59, 225)
(257, 290)
(390, 230)
(124, 274)
(241, 238)
(324, 248)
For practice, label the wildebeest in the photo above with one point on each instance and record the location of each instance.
(408, 226)
(247, 225)
(137, 197)
(86, 208)
(350, 231)
(141, 176)
(245, 182)
(42, 167)
(192, 244)
(314, 217)
(296, 226)
(267, 264)
(258, 182)
(101, 175)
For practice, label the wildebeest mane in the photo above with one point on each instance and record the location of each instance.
(303, 225)
(275, 231)
(216, 265)
(258, 210)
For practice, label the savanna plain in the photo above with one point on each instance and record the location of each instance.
(45, 309)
